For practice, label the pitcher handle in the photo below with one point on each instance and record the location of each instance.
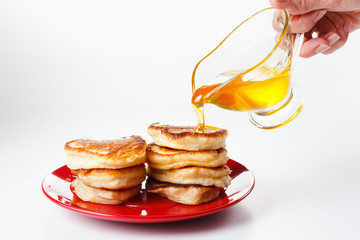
(297, 44)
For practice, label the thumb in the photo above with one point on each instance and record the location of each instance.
(301, 6)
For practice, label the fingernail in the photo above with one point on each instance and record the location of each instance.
(319, 15)
(322, 48)
(346, 27)
(333, 38)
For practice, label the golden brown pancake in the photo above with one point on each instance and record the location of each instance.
(218, 177)
(104, 196)
(185, 194)
(113, 179)
(120, 153)
(167, 158)
(185, 137)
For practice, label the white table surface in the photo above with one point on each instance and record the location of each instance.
(107, 69)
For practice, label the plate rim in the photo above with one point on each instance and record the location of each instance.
(150, 218)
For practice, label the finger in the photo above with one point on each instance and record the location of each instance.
(326, 43)
(342, 33)
(314, 46)
(331, 37)
(305, 22)
(331, 34)
(334, 29)
(302, 6)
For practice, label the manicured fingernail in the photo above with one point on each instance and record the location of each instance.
(322, 48)
(346, 27)
(319, 15)
(333, 38)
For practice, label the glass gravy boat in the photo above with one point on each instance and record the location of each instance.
(250, 70)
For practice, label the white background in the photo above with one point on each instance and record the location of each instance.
(107, 69)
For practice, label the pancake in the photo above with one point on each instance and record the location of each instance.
(218, 177)
(185, 137)
(112, 179)
(166, 158)
(120, 153)
(104, 196)
(184, 194)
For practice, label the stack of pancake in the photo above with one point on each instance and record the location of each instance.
(185, 166)
(109, 171)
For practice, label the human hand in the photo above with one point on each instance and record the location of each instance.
(326, 23)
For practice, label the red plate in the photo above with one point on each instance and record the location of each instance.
(147, 207)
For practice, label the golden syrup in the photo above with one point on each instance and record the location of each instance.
(242, 95)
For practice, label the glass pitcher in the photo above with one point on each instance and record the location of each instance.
(250, 70)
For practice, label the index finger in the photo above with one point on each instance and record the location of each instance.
(300, 6)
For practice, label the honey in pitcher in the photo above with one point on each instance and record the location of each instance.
(242, 95)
